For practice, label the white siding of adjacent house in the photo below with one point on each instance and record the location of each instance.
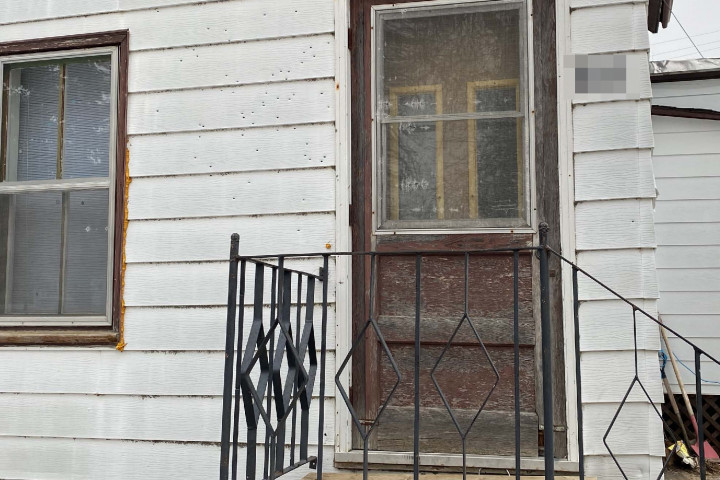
(231, 122)
(615, 241)
(686, 161)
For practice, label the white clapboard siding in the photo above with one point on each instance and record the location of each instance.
(634, 466)
(202, 328)
(694, 326)
(710, 373)
(32, 10)
(607, 375)
(232, 150)
(273, 60)
(285, 103)
(663, 124)
(198, 23)
(630, 273)
(684, 351)
(686, 143)
(709, 101)
(636, 429)
(611, 28)
(83, 459)
(685, 89)
(689, 303)
(120, 373)
(687, 233)
(182, 419)
(689, 279)
(689, 188)
(608, 325)
(614, 174)
(168, 284)
(684, 211)
(209, 238)
(689, 256)
(678, 166)
(596, 3)
(612, 126)
(254, 193)
(614, 224)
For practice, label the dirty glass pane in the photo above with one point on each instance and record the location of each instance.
(34, 109)
(499, 171)
(32, 224)
(450, 109)
(86, 143)
(86, 259)
(54, 242)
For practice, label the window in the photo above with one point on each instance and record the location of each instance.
(451, 96)
(62, 187)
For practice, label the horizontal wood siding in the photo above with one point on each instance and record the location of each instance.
(91, 459)
(231, 122)
(615, 242)
(686, 160)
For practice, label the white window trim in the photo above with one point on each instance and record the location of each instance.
(11, 187)
(527, 110)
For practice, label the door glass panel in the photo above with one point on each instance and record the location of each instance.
(450, 110)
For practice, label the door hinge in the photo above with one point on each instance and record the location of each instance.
(351, 213)
(350, 39)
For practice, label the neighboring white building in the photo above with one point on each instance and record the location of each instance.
(239, 118)
(686, 162)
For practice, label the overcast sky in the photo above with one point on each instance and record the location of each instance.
(700, 19)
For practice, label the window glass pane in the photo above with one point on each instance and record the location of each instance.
(86, 140)
(458, 72)
(86, 258)
(499, 173)
(33, 238)
(34, 109)
(448, 46)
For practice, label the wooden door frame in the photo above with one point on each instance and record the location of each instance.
(546, 12)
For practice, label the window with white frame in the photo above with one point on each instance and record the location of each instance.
(58, 172)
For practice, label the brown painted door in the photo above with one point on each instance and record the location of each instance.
(441, 161)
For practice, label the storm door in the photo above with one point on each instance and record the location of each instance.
(442, 151)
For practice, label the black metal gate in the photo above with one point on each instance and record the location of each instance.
(273, 366)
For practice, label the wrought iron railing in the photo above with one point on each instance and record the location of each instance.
(273, 367)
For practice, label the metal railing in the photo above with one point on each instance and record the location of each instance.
(274, 367)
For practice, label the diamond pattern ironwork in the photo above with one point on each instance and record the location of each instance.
(464, 433)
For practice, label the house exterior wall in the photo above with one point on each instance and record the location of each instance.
(686, 161)
(614, 240)
(231, 128)
(235, 124)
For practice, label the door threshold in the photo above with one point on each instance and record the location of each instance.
(392, 460)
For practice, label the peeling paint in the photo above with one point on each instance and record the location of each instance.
(121, 342)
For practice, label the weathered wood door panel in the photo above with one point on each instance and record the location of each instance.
(427, 170)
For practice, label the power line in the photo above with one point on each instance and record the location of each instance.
(683, 38)
(686, 48)
(683, 28)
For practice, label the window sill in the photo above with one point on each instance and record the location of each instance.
(58, 336)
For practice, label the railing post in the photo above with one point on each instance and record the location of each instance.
(546, 329)
(699, 413)
(229, 354)
(325, 275)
